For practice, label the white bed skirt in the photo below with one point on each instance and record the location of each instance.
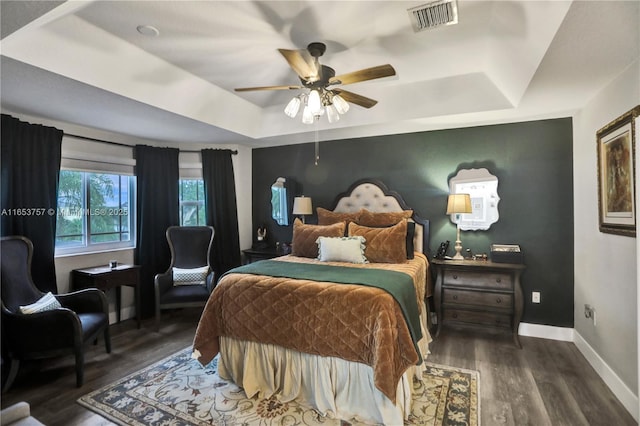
(336, 388)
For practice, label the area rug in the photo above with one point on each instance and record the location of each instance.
(178, 391)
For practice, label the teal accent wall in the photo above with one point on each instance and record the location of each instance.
(533, 164)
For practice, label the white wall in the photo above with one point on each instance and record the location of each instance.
(605, 264)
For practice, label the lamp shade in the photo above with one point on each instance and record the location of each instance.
(302, 205)
(458, 203)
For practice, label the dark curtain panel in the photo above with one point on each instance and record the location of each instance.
(30, 157)
(221, 207)
(157, 177)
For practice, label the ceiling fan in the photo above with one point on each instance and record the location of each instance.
(319, 79)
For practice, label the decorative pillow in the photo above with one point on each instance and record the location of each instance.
(192, 276)
(369, 218)
(384, 245)
(328, 217)
(48, 302)
(305, 236)
(341, 249)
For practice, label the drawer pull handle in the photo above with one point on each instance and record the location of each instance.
(455, 315)
(455, 297)
(498, 300)
(455, 277)
(498, 280)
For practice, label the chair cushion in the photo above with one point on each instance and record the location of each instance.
(185, 294)
(47, 302)
(91, 323)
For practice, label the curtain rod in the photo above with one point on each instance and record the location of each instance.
(234, 152)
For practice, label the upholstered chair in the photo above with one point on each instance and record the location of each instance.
(189, 280)
(37, 325)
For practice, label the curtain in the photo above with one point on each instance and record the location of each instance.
(157, 177)
(221, 208)
(30, 162)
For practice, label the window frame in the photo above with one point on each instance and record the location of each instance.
(101, 247)
(198, 203)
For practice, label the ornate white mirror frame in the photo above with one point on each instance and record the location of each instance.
(482, 187)
(280, 202)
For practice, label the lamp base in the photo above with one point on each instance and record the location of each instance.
(458, 246)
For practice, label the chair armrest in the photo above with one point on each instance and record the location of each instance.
(15, 412)
(163, 282)
(211, 282)
(85, 300)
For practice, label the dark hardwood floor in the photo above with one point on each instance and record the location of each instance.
(545, 383)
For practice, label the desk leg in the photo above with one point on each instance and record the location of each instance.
(137, 302)
(118, 301)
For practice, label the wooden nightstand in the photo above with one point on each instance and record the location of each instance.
(479, 293)
(253, 255)
(105, 278)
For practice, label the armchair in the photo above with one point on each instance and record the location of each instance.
(83, 314)
(190, 249)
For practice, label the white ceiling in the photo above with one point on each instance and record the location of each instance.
(84, 63)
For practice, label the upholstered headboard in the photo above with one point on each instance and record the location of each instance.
(373, 195)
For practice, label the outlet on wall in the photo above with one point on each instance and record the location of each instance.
(590, 312)
(535, 296)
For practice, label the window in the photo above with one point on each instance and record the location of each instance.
(95, 212)
(192, 211)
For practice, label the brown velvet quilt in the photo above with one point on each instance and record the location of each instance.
(353, 322)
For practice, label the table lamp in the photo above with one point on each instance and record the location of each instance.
(458, 204)
(302, 206)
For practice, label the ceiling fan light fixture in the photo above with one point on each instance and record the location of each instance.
(332, 114)
(293, 107)
(340, 104)
(307, 115)
(314, 103)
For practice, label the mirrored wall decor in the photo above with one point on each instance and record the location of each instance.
(482, 187)
(279, 205)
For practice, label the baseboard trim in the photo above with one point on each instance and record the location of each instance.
(626, 397)
(564, 334)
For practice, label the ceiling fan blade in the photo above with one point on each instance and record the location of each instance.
(354, 98)
(364, 75)
(301, 61)
(247, 89)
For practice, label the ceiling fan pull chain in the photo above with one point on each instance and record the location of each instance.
(317, 146)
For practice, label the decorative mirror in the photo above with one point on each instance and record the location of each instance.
(280, 201)
(482, 187)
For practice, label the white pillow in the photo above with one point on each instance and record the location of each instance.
(341, 249)
(193, 276)
(48, 302)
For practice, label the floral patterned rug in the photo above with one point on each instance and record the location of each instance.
(178, 391)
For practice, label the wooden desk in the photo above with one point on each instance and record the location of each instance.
(479, 293)
(105, 278)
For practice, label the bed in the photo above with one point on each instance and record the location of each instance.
(340, 324)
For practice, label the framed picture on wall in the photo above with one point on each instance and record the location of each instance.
(616, 175)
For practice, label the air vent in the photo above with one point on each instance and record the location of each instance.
(432, 15)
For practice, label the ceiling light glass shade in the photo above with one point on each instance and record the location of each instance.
(307, 115)
(332, 114)
(341, 105)
(314, 103)
(293, 107)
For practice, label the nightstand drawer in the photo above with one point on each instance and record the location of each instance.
(477, 317)
(493, 300)
(495, 280)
